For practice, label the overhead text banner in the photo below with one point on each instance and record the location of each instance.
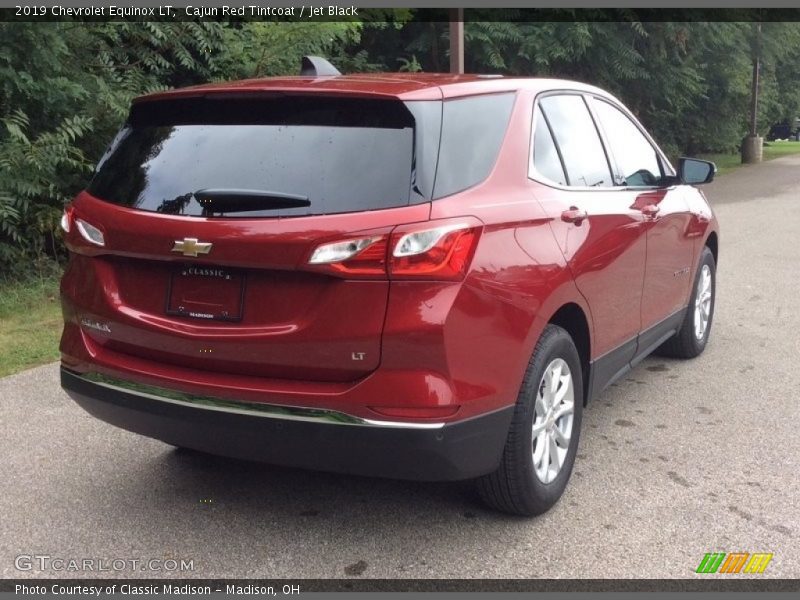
(384, 10)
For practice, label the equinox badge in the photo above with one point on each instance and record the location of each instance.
(191, 247)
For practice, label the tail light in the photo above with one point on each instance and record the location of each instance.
(84, 231)
(90, 233)
(356, 257)
(66, 218)
(420, 251)
(442, 252)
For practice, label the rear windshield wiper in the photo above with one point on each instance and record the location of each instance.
(220, 201)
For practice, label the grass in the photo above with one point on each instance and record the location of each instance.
(729, 162)
(30, 323)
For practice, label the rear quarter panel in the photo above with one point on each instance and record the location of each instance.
(517, 281)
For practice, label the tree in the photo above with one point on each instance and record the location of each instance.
(64, 89)
(271, 48)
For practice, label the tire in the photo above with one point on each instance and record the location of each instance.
(517, 486)
(686, 343)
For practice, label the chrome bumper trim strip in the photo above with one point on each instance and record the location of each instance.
(270, 411)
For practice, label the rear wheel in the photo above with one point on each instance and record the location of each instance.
(692, 337)
(543, 438)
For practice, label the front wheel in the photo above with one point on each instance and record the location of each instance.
(543, 438)
(692, 337)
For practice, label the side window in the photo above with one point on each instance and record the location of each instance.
(576, 135)
(472, 133)
(545, 156)
(633, 153)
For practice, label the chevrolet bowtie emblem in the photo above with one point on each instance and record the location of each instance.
(191, 247)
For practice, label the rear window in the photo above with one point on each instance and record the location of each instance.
(270, 157)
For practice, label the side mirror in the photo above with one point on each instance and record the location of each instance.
(693, 171)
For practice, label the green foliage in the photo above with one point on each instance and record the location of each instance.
(65, 88)
(31, 169)
(778, 47)
(266, 49)
(409, 65)
(688, 82)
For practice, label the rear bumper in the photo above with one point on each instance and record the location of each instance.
(296, 437)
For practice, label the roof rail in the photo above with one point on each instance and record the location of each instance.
(315, 66)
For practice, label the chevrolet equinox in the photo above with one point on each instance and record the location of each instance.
(414, 276)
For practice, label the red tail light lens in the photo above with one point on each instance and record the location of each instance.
(442, 252)
(420, 251)
(357, 257)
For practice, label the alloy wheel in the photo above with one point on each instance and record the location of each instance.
(702, 302)
(552, 420)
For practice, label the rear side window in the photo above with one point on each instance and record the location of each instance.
(634, 156)
(271, 157)
(545, 155)
(472, 132)
(577, 138)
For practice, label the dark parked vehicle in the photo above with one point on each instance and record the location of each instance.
(784, 131)
(404, 275)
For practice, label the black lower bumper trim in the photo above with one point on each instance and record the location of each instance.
(460, 450)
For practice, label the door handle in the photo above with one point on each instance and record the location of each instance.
(574, 215)
(650, 211)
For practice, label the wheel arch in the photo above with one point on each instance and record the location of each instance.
(712, 243)
(572, 318)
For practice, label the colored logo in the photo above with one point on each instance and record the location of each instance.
(734, 562)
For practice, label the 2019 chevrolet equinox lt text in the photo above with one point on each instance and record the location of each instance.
(414, 276)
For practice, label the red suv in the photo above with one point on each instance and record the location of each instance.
(404, 275)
